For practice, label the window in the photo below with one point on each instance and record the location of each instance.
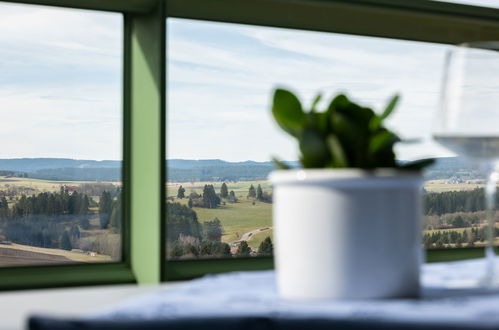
(221, 136)
(144, 100)
(60, 163)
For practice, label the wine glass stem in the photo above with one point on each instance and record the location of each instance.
(490, 204)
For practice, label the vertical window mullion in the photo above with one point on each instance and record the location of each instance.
(145, 46)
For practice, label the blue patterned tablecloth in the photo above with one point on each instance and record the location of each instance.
(448, 295)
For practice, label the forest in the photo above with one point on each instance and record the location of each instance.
(454, 201)
(56, 219)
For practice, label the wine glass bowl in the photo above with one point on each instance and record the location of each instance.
(467, 122)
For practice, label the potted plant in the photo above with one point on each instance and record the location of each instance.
(347, 225)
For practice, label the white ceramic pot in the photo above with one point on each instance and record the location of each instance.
(347, 233)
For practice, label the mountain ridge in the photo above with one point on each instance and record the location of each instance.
(179, 170)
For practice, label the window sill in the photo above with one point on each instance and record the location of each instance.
(17, 306)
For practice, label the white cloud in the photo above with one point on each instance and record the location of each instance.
(60, 79)
(221, 76)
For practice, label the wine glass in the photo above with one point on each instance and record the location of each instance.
(467, 122)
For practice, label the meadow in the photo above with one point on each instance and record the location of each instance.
(105, 242)
(444, 185)
(247, 214)
(237, 218)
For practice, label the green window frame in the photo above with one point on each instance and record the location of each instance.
(144, 107)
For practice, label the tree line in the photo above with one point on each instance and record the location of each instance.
(186, 236)
(211, 199)
(455, 201)
(55, 219)
(447, 238)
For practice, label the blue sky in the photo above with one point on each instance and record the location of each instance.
(60, 84)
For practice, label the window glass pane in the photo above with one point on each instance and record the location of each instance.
(61, 133)
(221, 137)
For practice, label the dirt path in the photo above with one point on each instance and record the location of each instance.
(247, 236)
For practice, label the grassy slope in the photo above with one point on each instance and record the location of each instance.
(40, 185)
(258, 238)
(237, 218)
(74, 256)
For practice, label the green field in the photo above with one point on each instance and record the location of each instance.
(258, 238)
(240, 187)
(236, 218)
(39, 185)
(443, 186)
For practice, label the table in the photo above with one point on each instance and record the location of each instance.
(248, 300)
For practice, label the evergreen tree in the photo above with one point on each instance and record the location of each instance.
(105, 209)
(225, 250)
(85, 223)
(224, 191)
(232, 197)
(243, 250)
(176, 250)
(213, 230)
(75, 232)
(181, 192)
(66, 241)
(115, 220)
(439, 243)
(182, 221)
(3, 203)
(210, 197)
(266, 248)
(259, 193)
(84, 205)
(251, 192)
(4, 208)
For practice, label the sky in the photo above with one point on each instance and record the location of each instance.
(61, 84)
(221, 78)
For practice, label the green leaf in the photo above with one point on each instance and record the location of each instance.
(338, 158)
(376, 121)
(318, 121)
(417, 165)
(315, 102)
(340, 101)
(279, 164)
(390, 107)
(288, 112)
(345, 135)
(358, 115)
(314, 149)
(381, 141)
(353, 140)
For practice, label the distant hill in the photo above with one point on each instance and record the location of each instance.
(35, 164)
(180, 170)
(189, 164)
(64, 169)
(452, 167)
